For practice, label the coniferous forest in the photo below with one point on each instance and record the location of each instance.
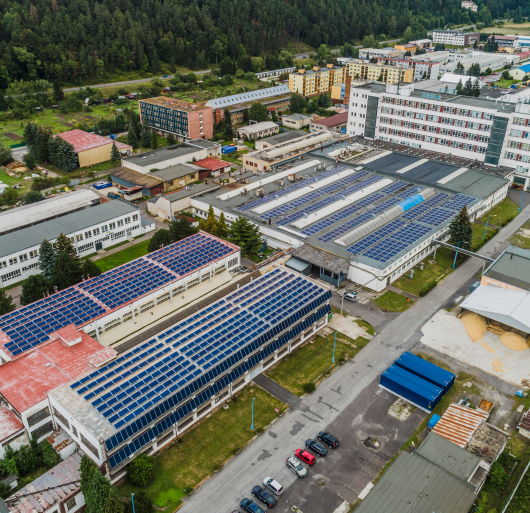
(70, 41)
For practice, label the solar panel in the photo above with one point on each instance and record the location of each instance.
(376, 236)
(423, 207)
(436, 216)
(458, 201)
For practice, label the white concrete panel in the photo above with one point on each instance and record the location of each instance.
(450, 177)
(412, 166)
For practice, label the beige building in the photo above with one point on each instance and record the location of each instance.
(296, 121)
(316, 81)
(263, 129)
(391, 73)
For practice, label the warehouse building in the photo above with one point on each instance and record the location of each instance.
(92, 149)
(186, 369)
(387, 73)
(510, 270)
(317, 80)
(186, 121)
(335, 123)
(455, 37)
(89, 230)
(172, 155)
(125, 177)
(263, 129)
(478, 129)
(282, 137)
(41, 211)
(368, 218)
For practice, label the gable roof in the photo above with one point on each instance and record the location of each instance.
(83, 141)
(338, 119)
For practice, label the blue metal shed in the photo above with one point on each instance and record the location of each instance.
(426, 370)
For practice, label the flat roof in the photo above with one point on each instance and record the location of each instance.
(284, 137)
(83, 141)
(250, 96)
(317, 71)
(296, 116)
(145, 383)
(150, 158)
(488, 442)
(130, 175)
(81, 304)
(172, 103)
(338, 119)
(191, 191)
(24, 238)
(174, 172)
(9, 423)
(258, 127)
(512, 266)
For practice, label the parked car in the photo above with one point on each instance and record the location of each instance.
(328, 439)
(273, 486)
(305, 456)
(316, 447)
(102, 185)
(351, 296)
(295, 466)
(264, 496)
(250, 506)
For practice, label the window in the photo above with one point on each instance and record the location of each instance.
(104, 228)
(469, 147)
(112, 225)
(71, 504)
(127, 220)
(79, 237)
(170, 183)
(88, 234)
(11, 275)
(13, 261)
(120, 222)
(36, 417)
(43, 430)
(522, 170)
(519, 121)
(3, 264)
(61, 418)
(89, 446)
(23, 257)
(135, 217)
(516, 133)
(74, 430)
(232, 262)
(95, 231)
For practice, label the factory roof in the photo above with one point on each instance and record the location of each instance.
(251, 96)
(173, 172)
(153, 157)
(512, 267)
(212, 164)
(9, 423)
(145, 180)
(338, 119)
(284, 137)
(258, 127)
(190, 191)
(488, 442)
(33, 235)
(47, 209)
(297, 116)
(83, 141)
(172, 103)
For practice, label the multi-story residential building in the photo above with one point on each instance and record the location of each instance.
(506, 43)
(406, 47)
(390, 74)
(183, 119)
(455, 37)
(423, 66)
(490, 131)
(468, 4)
(317, 80)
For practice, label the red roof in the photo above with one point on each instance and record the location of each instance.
(9, 423)
(83, 141)
(26, 380)
(339, 119)
(212, 164)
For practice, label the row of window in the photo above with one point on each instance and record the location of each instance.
(519, 133)
(518, 145)
(516, 156)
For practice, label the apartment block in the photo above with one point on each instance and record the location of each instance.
(390, 74)
(184, 120)
(316, 81)
(455, 37)
(423, 66)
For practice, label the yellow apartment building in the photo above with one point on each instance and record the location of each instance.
(317, 80)
(392, 74)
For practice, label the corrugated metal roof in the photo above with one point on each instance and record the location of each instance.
(525, 421)
(20, 240)
(144, 180)
(284, 137)
(297, 264)
(459, 423)
(321, 258)
(83, 141)
(174, 172)
(184, 193)
(506, 306)
(234, 99)
(512, 267)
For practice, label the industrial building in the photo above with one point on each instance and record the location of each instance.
(335, 123)
(317, 80)
(255, 130)
(92, 149)
(41, 211)
(368, 218)
(89, 230)
(176, 375)
(455, 37)
(282, 137)
(296, 120)
(387, 73)
(162, 158)
(508, 44)
(493, 61)
(478, 129)
(185, 120)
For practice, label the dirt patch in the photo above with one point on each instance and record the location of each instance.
(65, 123)
(62, 116)
(488, 348)
(513, 341)
(13, 137)
(86, 116)
(475, 325)
(401, 410)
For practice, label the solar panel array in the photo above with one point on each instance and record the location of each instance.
(31, 325)
(410, 191)
(458, 201)
(425, 206)
(394, 187)
(435, 216)
(166, 370)
(270, 197)
(376, 236)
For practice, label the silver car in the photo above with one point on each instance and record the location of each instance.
(295, 465)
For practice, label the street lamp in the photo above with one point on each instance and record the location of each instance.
(457, 248)
(521, 205)
(493, 215)
(334, 342)
(132, 498)
(252, 425)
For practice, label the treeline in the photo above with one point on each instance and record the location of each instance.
(71, 41)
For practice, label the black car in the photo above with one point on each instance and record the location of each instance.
(316, 447)
(328, 439)
(264, 496)
(250, 507)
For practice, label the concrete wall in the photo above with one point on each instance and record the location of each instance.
(95, 155)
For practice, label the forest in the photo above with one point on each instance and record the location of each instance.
(73, 41)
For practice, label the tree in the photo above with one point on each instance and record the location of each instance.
(6, 303)
(222, 228)
(461, 230)
(154, 139)
(274, 116)
(159, 239)
(98, 493)
(113, 503)
(10, 196)
(132, 138)
(475, 89)
(146, 135)
(30, 160)
(46, 258)
(35, 287)
(297, 103)
(180, 229)
(142, 504)
(66, 155)
(64, 245)
(32, 197)
(506, 75)
(474, 70)
(89, 269)
(210, 224)
(115, 155)
(245, 235)
(258, 112)
(6, 155)
(141, 470)
(460, 88)
(49, 457)
(171, 139)
(459, 69)
(66, 271)
(468, 88)
(488, 71)
(120, 123)
(87, 468)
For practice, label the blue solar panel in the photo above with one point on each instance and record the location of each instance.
(458, 201)
(376, 236)
(409, 192)
(436, 216)
(423, 207)
(394, 187)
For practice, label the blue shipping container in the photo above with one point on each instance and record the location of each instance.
(228, 149)
(411, 387)
(434, 420)
(426, 370)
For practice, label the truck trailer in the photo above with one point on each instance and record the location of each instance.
(426, 370)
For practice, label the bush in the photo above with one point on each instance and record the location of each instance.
(259, 430)
(426, 288)
(342, 360)
(141, 470)
(309, 388)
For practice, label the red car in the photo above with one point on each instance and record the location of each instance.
(305, 456)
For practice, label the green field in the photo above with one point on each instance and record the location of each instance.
(501, 214)
(521, 238)
(122, 257)
(521, 29)
(393, 302)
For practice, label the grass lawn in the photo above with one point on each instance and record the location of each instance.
(522, 29)
(478, 239)
(124, 256)
(310, 361)
(393, 302)
(9, 180)
(206, 447)
(504, 212)
(521, 238)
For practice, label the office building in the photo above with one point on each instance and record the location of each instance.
(186, 121)
(455, 37)
(317, 80)
(89, 230)
(387, 73)
(296, 121)
(423, 66)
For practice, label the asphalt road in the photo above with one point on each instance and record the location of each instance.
(329, 409)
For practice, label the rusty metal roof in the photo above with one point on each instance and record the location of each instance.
(459, 423)
(525, 421)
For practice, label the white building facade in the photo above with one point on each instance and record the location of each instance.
(454, 37)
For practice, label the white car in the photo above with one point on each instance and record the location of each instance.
(351, 296)
(295, 466)
(273, 486)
